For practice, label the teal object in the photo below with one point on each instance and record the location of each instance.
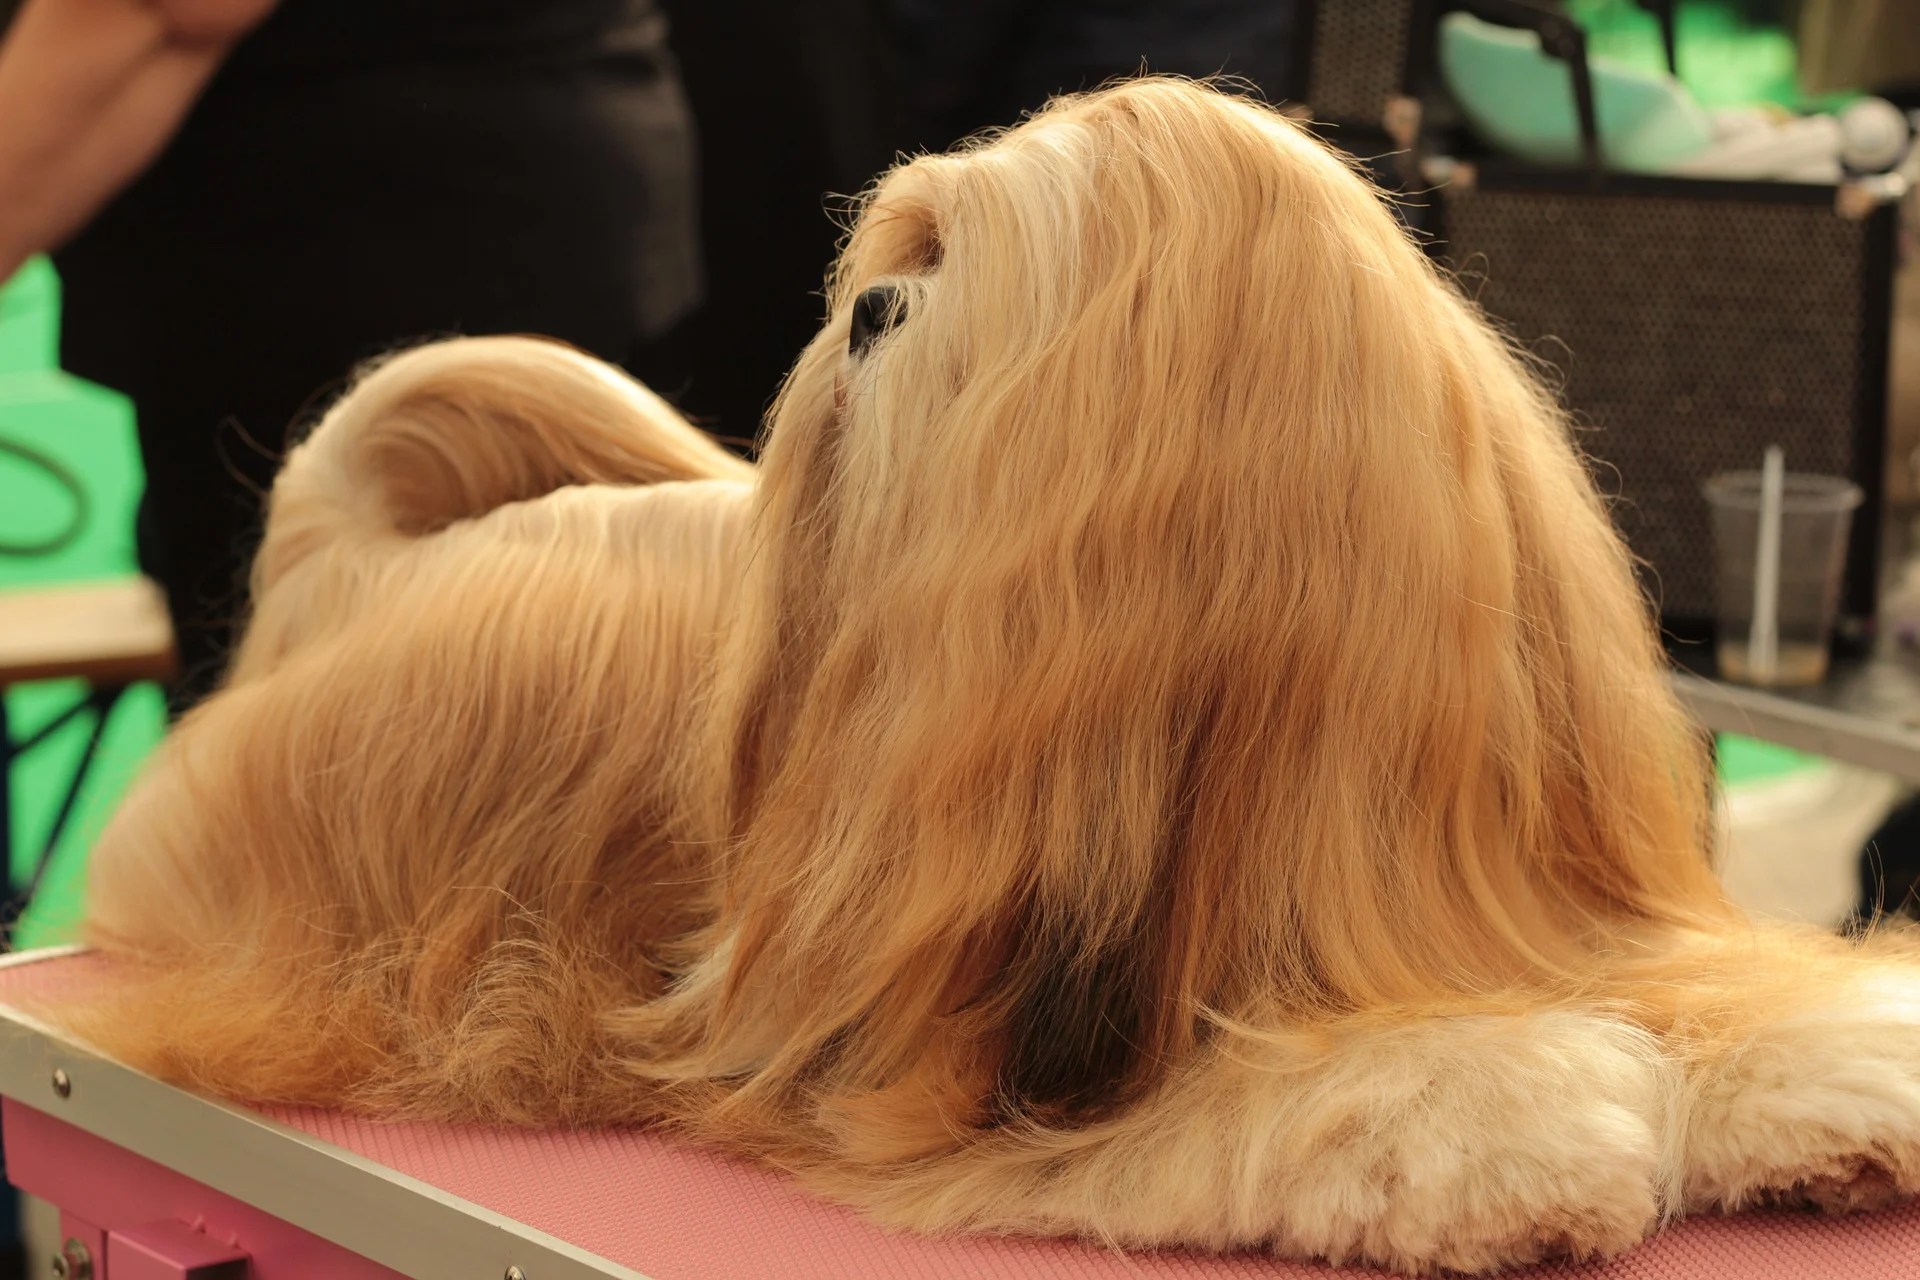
(1521, 101)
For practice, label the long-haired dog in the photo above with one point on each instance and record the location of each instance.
(1165, 748)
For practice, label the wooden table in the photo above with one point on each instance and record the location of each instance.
(111, 634)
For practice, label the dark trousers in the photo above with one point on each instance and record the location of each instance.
(294, 230)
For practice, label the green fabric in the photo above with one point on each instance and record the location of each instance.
(90, 429)
(1724, 60)
(30, 320)
(1521, 100)
(1744, 761)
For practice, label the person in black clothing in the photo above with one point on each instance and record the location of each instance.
(795, 108)
(246, 200)
(967, 66)
(801, 104)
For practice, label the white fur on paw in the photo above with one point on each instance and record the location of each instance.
(1480, 1142)
(1821, 1108)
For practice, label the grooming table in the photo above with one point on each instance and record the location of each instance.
(154, 1183)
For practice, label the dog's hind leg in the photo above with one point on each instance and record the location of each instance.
(411, 867)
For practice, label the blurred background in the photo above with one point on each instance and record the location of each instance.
(1708, 246)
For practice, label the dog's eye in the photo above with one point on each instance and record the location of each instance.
(875, 311)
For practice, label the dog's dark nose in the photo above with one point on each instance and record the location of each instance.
(875, 311)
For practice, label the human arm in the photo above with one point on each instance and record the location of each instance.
(90, 92)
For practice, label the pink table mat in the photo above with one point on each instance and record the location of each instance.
(674, 1212)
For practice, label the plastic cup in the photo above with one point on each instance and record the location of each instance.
(1816, 513)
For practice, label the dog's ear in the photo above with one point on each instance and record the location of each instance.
(1077, 1025)
(1099, 999)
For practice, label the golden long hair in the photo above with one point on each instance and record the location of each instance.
(1169, 625)
(1192, 608)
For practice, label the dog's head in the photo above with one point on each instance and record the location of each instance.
(1170, 597)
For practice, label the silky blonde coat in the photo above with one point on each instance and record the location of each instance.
(1166, 747)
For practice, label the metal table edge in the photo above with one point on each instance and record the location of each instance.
(1822, 731)
(344, 1198)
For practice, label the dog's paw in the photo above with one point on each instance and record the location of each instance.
(1846, 1185)
(1820, 1109)
(1425, 1144)
(1514, 1221)
(1485, 1142)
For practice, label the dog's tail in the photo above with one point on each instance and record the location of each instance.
(454, 429)
(436, 435)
